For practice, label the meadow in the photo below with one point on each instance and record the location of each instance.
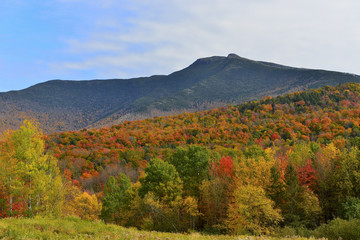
(75, 228)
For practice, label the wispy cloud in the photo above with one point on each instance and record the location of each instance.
(86, 39)
(157, 37)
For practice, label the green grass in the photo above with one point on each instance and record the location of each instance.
(73, 228)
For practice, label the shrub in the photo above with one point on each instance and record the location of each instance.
(346, 229)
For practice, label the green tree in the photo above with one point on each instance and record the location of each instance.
(276, 189)
(117, 199)
(348, 173)
(293, 193)
(342, 181)
(301, 206)
(351, 208)
(327, 161)
(162, 179)
(192, 164)
(161, 189)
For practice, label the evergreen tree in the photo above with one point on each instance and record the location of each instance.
(117, 199)
(276, 189)
(292, 195)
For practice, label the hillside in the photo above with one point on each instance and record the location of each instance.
(300, 149)
(209, 82)
(281, 166)
(325, 115)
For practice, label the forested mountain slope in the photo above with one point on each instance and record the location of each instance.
(215, 81)
(297, 154)
(282, 165)
(325, 115)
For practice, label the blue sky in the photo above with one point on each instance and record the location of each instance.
(42, 40)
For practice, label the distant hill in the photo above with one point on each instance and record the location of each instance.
(209, 82)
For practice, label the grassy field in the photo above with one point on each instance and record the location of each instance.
(72, 228)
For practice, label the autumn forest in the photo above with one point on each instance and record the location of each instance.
(287, 165)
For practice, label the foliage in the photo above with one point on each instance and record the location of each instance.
(192, 166)
(74, 228)
(117, 199)
(339, 228)
(351, 208)
(252, 212)
(162, 179)
(297, 154)
(87, 206)
(214, 203)
(30, 176)
(191, 210)
(205, 84)
(87, 153)
(223, 168)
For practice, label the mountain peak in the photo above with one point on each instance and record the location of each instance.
(207, 82)
(208, 60)
(233, 55)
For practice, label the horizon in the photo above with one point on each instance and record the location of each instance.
(84, 40)
(104, 79)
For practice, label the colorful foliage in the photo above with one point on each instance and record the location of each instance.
(238, 168)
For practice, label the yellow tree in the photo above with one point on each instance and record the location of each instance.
(9, 173)
(252, 212)
(71, 192)
(190, 208)
(42, 188)
(87, 206)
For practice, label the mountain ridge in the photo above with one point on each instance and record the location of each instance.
(61, 105)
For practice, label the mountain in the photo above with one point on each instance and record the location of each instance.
(214, 81)
(322, 116)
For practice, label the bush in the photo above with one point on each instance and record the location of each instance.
(288, 232)
(351, 208)
(346, 229)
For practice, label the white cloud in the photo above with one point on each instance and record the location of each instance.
(158, 37)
